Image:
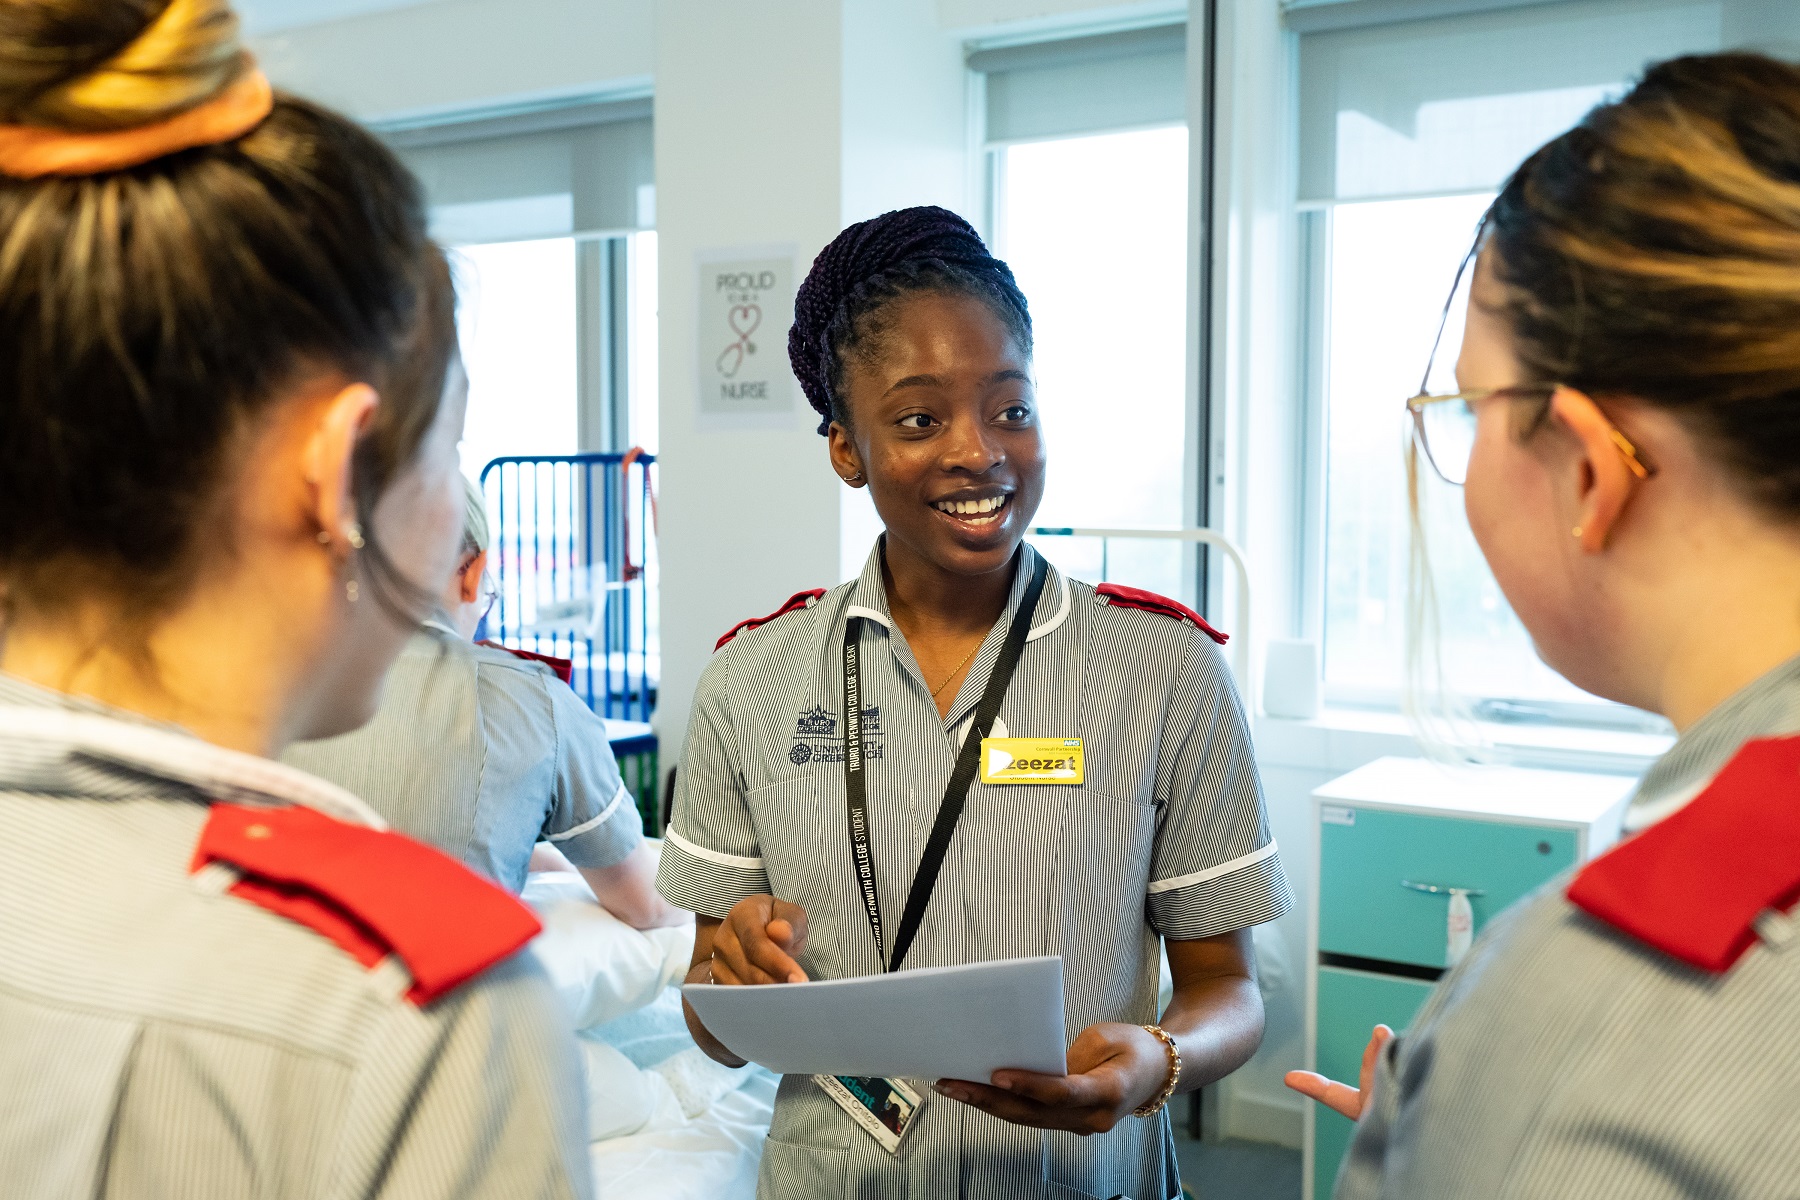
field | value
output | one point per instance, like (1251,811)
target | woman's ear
(1603,480)
(329,448)
(469,577)
(844,458)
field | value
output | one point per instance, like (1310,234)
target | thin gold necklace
(958,669)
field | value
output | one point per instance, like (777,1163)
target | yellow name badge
(1032,760)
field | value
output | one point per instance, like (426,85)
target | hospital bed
(664,1121)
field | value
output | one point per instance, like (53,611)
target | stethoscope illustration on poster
(746,298)
(745,319)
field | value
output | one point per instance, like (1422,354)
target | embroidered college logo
(818,740)
(817,723)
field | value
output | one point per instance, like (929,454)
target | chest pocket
(805,852)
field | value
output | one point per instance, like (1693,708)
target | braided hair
(838,311)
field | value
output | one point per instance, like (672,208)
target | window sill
(1342,739)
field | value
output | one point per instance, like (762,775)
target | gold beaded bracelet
(1155,1106)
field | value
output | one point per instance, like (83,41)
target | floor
(1234,1170)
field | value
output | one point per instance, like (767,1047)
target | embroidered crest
(817,723)
(818,739)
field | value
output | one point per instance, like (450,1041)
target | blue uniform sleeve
(593,819)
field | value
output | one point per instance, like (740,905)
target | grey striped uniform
(159,1038)
(483,754)
(1563,1059)
(1166,837)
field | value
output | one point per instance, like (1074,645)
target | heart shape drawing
(745,318)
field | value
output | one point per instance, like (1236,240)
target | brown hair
(1653,252)
(148,314)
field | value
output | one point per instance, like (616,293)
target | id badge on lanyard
(885,1107)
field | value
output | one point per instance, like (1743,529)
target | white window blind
(581,169)
(1450,105)
(1131,79)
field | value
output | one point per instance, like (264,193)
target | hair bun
(100,65)
(864,252)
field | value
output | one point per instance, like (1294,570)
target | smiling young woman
(817,836)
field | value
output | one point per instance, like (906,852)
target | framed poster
(746,304)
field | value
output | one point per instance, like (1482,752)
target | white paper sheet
(932,1023)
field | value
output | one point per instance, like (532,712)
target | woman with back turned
(914,345)
(1628,436)
(229,409)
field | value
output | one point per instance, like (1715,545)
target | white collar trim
(39,742)
(1037,631)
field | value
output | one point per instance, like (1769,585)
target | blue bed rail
(574,559)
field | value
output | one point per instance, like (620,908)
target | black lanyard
(968,759)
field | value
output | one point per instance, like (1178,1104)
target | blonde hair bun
(98,65)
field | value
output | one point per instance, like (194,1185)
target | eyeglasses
(1443,425)
(489,593)
(1444,428)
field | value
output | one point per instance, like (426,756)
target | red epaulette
(564,667)
(797,600)
(1693,884)
(371,891)
(1120,596)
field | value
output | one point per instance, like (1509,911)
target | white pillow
(602,967)
(621,1098)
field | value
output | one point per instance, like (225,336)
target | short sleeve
(711,859)
(593,818)
(1214,867)
(499,1109)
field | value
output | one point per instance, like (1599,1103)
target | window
(1406,132)
(1095,228)
(641,423)
(549,214)
(550,211)
(1088,150)
(516,319)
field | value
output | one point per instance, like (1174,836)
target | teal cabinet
(1351,1003)
(1365,862)
(1392,837)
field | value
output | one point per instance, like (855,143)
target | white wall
(747,153)
(453,54)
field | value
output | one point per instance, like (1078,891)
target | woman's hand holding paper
(1113,1068)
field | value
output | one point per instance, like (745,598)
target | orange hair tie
(31,151)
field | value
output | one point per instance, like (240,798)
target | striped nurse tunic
(1564,1057)
(1166,838)
(163,1036)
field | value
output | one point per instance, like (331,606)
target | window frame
(1198,32)
(1310,231)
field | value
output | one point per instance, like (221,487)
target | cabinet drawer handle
(1437,890)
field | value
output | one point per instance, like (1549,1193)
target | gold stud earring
(1577,532)
(324,537)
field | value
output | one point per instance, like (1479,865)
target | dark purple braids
(911,250)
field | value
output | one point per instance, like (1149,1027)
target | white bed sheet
(710,1157)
